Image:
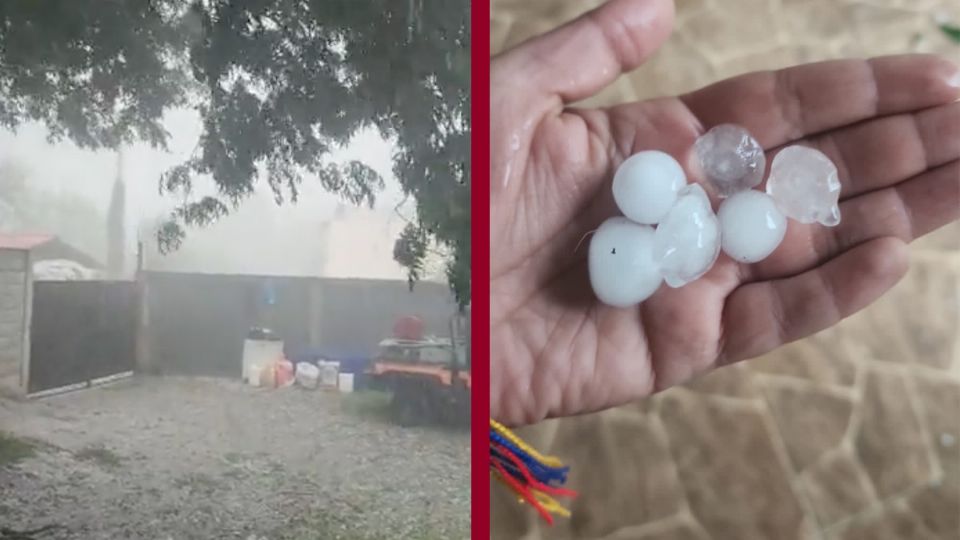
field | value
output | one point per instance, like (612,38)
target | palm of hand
(556,350)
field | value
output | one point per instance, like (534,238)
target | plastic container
(308,375)
(284,373)
(268,376)
(262,353)
(253,376)
(328,373)
(345,382)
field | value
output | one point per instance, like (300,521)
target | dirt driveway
(179,458)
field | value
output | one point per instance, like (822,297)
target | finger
(882,152)
(762,316)
(582,57)
(906,211)
(782,106)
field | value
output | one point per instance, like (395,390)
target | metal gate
(81,332)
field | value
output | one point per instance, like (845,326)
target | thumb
(585,55)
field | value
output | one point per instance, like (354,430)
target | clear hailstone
(645,186)
(687,241)
(805,186)
(751,227)
(622,271)
(730,159)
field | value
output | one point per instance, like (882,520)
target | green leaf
(952,32)
(278,84)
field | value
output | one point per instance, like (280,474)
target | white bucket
(253,375)
(345,382)
(259,353)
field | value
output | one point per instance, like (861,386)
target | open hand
(891,125)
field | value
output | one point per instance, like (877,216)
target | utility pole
(116,224)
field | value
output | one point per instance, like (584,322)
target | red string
(523,492)
(536,484)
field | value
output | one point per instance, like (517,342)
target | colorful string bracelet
(534,478)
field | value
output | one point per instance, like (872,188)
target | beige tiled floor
(851,434)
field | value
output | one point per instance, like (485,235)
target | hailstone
(805,186)
(645,186)
(730,159)
(687,241)
(751,227)
(620,261)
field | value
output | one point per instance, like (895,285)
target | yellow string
(549,461)
(550,504)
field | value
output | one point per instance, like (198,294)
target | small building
(46,247)
(19,253)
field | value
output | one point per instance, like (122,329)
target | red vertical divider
(480,269)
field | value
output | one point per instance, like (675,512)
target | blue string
(530,461)
(543,473)
(508,465)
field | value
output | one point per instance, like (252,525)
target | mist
(319,235)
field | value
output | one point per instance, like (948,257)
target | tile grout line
(699,529)
(662,525)
(797,383)
(685,509)
(925,432)
(786,464)
(922,371)
(878,504)
(856,419)
(897,501)
(728,402)
(657,424)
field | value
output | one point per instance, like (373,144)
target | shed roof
(24,241)
(45,247)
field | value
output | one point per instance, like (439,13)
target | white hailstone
(805,186)
(622,271)
(687,241)
(730,159)
(645,186)
(751,227)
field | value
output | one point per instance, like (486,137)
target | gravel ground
(178,458)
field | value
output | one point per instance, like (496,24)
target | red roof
(24,241)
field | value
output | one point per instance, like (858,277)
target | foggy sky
(266,228)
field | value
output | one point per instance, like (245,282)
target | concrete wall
(195,324)
(14,300)
(354,315)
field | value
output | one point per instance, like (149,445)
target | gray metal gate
(81,332)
